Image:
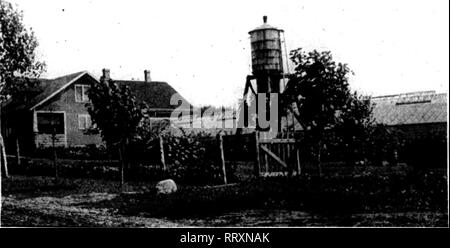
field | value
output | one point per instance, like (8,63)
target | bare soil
(35,201)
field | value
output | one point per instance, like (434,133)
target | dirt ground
(21,208)
(70,211)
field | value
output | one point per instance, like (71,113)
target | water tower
(267,66)
(267,60)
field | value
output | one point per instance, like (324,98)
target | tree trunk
(3,162)
(319,158)
(161,152)
(222,159)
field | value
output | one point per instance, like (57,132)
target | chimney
(265,19)
(106,75)
(147,77)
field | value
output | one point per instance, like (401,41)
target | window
(50,123)
(84,121)
(81,93)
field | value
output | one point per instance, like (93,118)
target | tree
(17,58)
(117,117)
(355,127)
(319,96)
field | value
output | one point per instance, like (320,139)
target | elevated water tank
(266,50)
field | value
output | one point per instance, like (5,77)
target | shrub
(193,158)
(67,168)
(239,147)
(427,152)
(91,152)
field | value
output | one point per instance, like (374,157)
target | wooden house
(55,112)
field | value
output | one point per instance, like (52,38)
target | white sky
(202,48)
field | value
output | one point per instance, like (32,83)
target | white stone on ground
(166,187)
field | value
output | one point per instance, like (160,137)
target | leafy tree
(18,60)
(117,116)
(319,96)
(354,128)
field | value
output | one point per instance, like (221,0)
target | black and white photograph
(224,114)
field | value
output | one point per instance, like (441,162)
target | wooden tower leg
(257,155)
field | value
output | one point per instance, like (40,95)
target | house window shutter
(78,93)
(88,121)
(84,121)
(81,122)
(85,96)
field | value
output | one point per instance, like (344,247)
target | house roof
(43,90)
(411,108)
(52,87)
(156,94)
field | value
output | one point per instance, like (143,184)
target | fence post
(17,152)
(299,168)
(55,158)
(222,158)
(161,151)
(3,159)
(257,163)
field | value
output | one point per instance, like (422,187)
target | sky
(202,48)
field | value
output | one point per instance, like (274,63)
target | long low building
(417,114)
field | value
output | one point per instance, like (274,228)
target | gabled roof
(156,94)
(43,90)
(411,108)
(52,87)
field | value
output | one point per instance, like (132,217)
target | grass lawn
(366,199)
